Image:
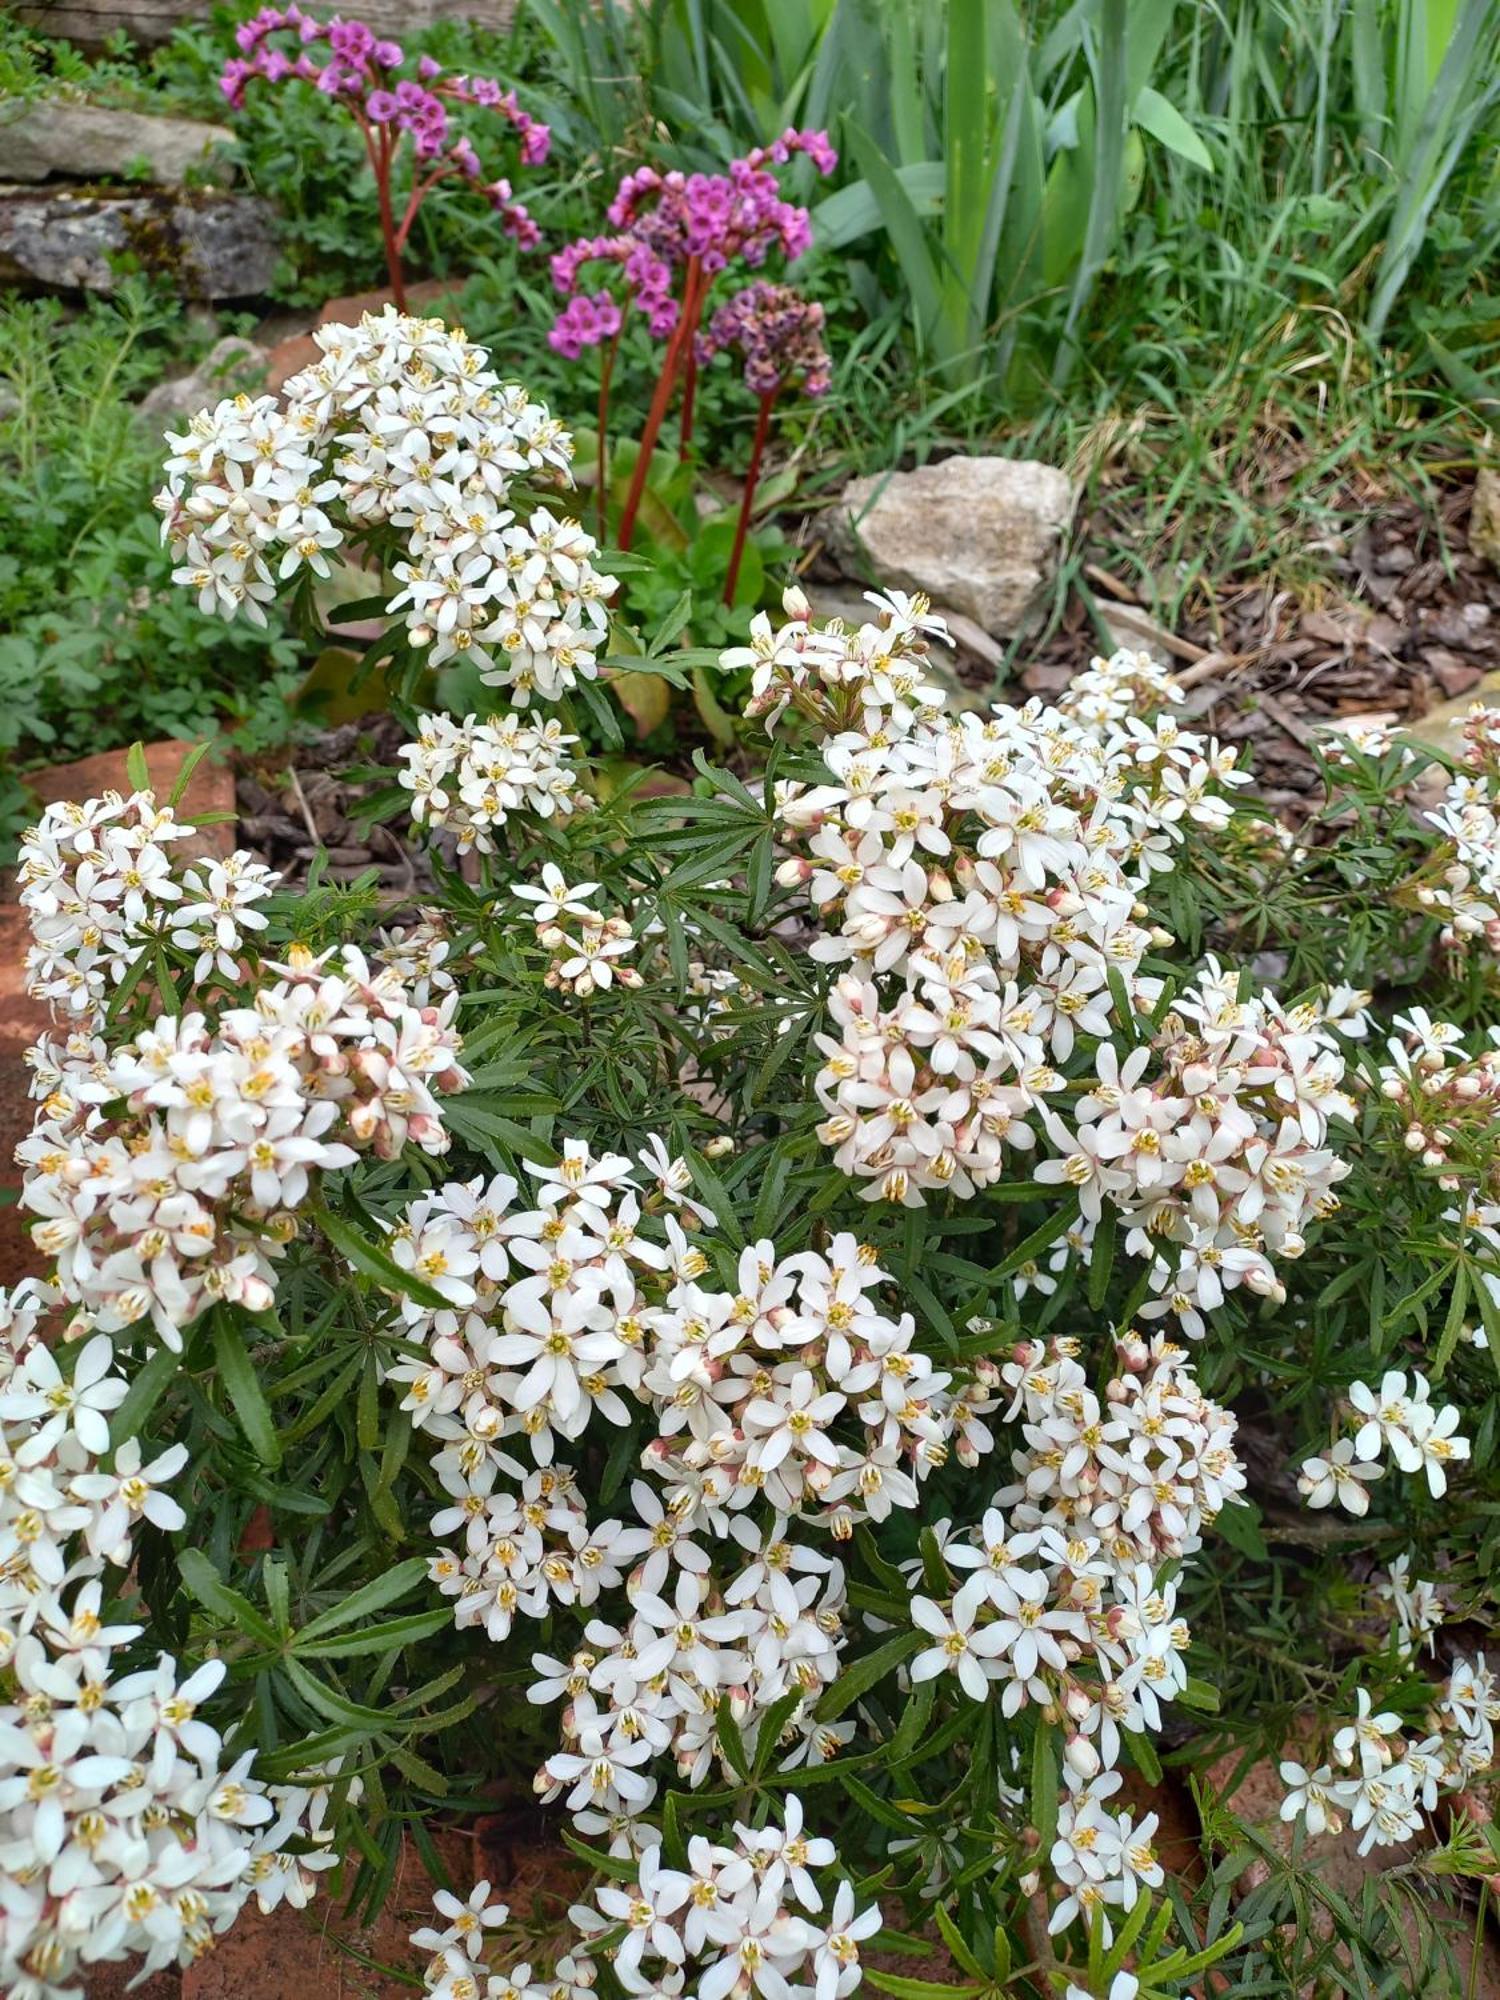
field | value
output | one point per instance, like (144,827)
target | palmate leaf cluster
(305,1566)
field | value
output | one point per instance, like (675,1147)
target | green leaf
(185,771)
(387,1638)
(371,1260)
(1103,1258)
(854,211)
(205,1583)
(137,769)
(1057,1224)
(1044,1787)
(1166,123)
(143,1395)
(918,1989)
(370,1597)
(730,1740)
(237,1373)
(956,1942)
(865,1672)
(1239,1524)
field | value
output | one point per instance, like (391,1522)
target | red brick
(295,351)
(210,789)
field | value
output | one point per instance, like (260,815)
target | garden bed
(817,1305)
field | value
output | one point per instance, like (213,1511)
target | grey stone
(217,375)
(93,142)
(210,246)
(1484,517)
(981,535)
(92,22)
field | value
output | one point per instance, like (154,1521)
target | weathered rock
(228,365)
(210,246)
(979,534)
(1484,515)
(92,22)
(1443,724)
(95,142)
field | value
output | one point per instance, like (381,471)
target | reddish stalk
(606,369)
(689,397)
(419,193)
(656,415)
(380,166)
(747,502)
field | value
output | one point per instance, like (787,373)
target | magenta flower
(778,332)
(360,72)
(674,233)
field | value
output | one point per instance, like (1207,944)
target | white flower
(1337,1476)
(961,1648)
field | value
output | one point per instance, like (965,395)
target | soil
(302,801)
(1407,619)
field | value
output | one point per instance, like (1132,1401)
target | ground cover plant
(95,649)
(837,1287)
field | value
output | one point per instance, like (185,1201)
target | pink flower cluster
(360,71)
(667,221)
(779,333)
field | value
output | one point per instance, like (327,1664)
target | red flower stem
(656,415)
(380,166)
(606,369)
(419,194)
(689,396)
(747,501)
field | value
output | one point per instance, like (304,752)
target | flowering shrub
(717,1279)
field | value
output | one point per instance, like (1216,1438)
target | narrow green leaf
(1044,1787)
(730,1741)
(143,1395)
(865,1673)
(1166,123)
(205,1583)
(237,1373)
(370,1259)
(370,1597)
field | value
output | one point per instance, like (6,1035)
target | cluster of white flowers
(652,1685)
(401,423)
(1419,1435)
(1213,1139)
(761,1915)
(1145,1471)
(794,1393)
(1385,1781)
(1415,1604)
(1062,1607)
(100,883)
(1103,1858)
(1465,891)
(1449,1100)
(586,944)
(981,875)
(469,777)
(867,678)
(419,955)
(165,1170)
(125,1826)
